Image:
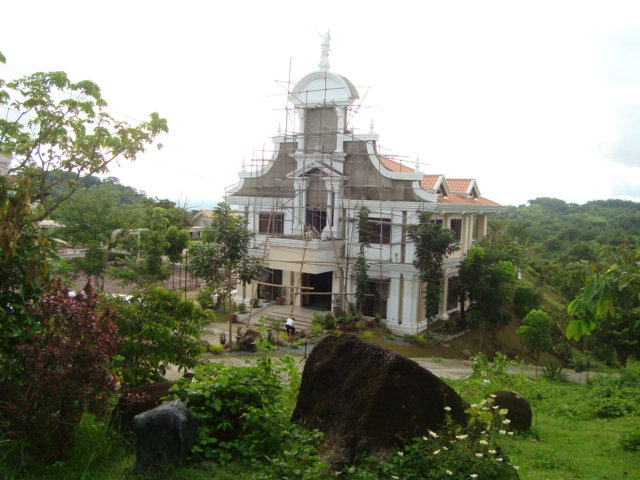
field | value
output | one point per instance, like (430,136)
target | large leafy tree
(608,305)
(223,258)
(51,125)
(488,283)
(536,332)
(158,329)
(432,244)
(98,212)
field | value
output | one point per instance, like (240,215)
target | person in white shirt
(290,325)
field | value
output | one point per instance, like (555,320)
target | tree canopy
(52,125)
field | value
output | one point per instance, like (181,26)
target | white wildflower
(493,452)
(400,454)
(436,452)
(506,421)
(461,437)
(509,433)
(433,434)
(502,432)
(474,475)
(499,459)
(493,395)
(483,442)
(449,472)
(479,455)
(447,408)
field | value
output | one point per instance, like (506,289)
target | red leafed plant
(64,368)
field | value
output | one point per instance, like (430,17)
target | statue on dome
(326,48)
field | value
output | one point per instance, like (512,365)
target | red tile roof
(429,182)
(459,185)
(395,166)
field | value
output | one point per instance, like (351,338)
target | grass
(566,442)
(570,449)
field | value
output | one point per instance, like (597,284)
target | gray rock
(164,435)
(519,410)
(365,398)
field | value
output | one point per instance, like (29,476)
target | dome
(323,87)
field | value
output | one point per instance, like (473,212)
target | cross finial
(326,48)
(371,126)
(417,163)
(244,165)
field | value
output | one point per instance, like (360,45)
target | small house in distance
(303,202)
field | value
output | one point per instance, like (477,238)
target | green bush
(454,452)
(553,371)
(326,321)
(243,412)
(158,328)
(616,395)
(525,299)
(204,297)
(631,440)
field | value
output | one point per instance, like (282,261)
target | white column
(339,138)
(301,117)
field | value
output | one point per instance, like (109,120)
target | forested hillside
(589,252)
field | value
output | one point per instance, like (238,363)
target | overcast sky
(530,98)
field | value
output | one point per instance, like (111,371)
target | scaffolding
(305,194)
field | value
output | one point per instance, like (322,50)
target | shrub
(454,452)
(243,412)
(367,335)
(553,371)
(158,328)
(631,440)
(525,299)
(65,372)
(616,395)
(204,297)
(326,321)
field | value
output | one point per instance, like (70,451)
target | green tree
(361,279)
(432,244)
(536,333)
(158,329)
(51,125)
(95,214)
(25,253)
(221,259)
(609,304)
(364,228)
(177,241)
(487,284)
(95,263)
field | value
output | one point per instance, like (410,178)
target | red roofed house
(303,203)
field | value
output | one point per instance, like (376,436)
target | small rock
(164,435)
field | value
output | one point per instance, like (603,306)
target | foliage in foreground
(454,452)
(243,416)
(63,368)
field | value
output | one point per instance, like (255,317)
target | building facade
(303,203)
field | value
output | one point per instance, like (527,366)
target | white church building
(303,202)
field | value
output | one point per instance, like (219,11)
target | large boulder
(365,398)
(164,435)
(137,400)
(519,411)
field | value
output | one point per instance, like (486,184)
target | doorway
(321,283)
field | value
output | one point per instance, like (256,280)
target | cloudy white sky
(531,98)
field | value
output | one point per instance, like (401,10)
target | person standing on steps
(290,326)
